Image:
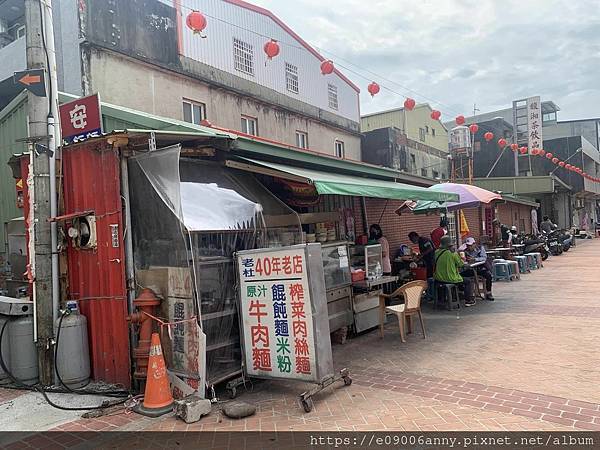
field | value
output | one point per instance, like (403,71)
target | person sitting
(447,269)
(546,226)
(426,251)
(476,254)
(438,233)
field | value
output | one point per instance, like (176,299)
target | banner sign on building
(534,123)
(81,119)
(279,317)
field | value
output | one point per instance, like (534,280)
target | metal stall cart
(284,319)
(338,284)
(365,302)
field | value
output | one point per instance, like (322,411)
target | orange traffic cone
(157,396)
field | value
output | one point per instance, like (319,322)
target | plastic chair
(412,293)
(534,262)
(538,259)
(523,265)
(513,267)
(501,270)
(447,294)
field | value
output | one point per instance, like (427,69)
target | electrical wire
(43,33)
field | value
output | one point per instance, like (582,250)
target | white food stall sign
(277,314)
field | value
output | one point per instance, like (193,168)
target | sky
(457,53)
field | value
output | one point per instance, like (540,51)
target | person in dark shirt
(438,233)
(547,226)
(426,251)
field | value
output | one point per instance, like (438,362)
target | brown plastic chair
(412,293)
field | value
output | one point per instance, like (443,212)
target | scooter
(566,239)
(554,243)
(535,244)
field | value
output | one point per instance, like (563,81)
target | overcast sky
(460,52)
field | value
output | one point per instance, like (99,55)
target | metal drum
(5,349)
(73,357)
(23,354)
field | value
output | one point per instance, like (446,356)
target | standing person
(448,265)
(476,254)
(546,226)
(426,251)
(505,234)
(438,233)
(376,234)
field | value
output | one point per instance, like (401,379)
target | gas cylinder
(4,349)
(23,354)
(73,355)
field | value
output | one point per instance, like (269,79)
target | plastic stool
(538,258)
(523,265)
(501,270)
(450,295)
(533,261)
(513,267)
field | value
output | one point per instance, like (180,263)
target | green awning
(332,183)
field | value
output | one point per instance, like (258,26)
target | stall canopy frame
(332,183)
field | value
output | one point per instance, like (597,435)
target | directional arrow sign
(32,80)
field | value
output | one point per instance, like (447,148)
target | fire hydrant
(145,303)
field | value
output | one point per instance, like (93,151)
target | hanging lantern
(327,67)
(435,114)
(409,104)
(460,120)
(542,152)
(535,151)
(584,174)
(488,136)
(271,48)
(555,160)
(196,22)
(549,155)
(514,147)
(501,142)
(523,150)
(473,128)
(568,166)
(373,89)
(561,163)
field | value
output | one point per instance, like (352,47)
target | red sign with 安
(81,119)
(276,315)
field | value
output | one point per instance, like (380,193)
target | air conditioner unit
(83,232)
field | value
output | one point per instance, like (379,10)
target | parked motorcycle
(534,244)
(554,243)
(566,239)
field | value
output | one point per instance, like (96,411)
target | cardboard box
(167,281)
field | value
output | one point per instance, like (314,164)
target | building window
(422,134)
(443,176)
(291,78)
(243,56)
(194,112)
(423,172)
(250,125)
(435,174)
(433,131)
(426,129)
(333,96)
(549,117)
(340,151)
(21,32)
(413,162)
(301,139)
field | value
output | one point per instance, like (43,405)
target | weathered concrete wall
(128,82)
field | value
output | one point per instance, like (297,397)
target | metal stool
(501,270)
(532,261)
(513,267)
(523,264)
(450,295)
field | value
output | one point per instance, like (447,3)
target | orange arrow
(29,79)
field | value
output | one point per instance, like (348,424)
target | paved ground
(527,361)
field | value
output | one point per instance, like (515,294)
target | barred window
(291,78)
(243,56)
(332,93)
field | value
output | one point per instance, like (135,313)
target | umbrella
(470,196)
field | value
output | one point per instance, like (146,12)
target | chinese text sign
(277,315)
(534,123)
(81,119)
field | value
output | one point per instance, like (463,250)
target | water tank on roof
(460,140)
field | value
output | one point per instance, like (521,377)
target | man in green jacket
(448,265)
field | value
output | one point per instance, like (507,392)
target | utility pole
(41,161)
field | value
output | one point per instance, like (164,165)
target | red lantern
(474,128)
(488,136)
(584,174)
(523,150)
(271,48)
(554,160)
(460,120)
(327,67)
(549,155)
(196,22)
(561,163)
(568,166)
(542,152)
(409,104)
(514,147)
(435,114)
(373,89)
(535,151)
(501,142)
